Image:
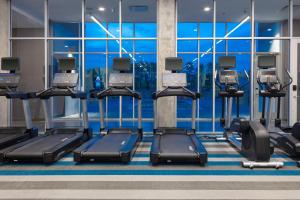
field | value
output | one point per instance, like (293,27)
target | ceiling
(29,13)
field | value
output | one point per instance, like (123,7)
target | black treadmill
(9,83)
(56,142)
(271,88)
(171,144)
(115,144)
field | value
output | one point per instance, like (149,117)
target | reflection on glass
(271,20)
(145,81)
(296,18)
(64,24)
(27,18)
(103,24)
(233,24)
(66,106)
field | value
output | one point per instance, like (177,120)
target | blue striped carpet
(223,160)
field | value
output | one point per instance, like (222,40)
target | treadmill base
(252,164)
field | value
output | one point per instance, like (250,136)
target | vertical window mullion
(214,67)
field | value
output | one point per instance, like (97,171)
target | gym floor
(222,178)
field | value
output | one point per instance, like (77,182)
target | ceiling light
(269,29)
(206,9)
(101,9)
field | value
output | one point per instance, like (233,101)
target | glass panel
(187,46)
(139,21)
(127,30)
(95,78)
(30,61)
(145,81)
(296,22)
(142,15)
(271,20)
(204,110)
(102,18)
(205,86)
(127,46)
(64,24)
(268,45)
(206,46)
(239,45)
(64,106)
(279,48)
(27,18)
(236,15)
(190,13)
(190,67)
(206,29)
(187,30)
(113,102)
(95,46)
(145,46)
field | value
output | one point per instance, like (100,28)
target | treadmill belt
(110,143)
(9,136)
(41,144)
(177,144)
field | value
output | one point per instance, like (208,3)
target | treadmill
(271,88)
(115,144)
(55,142)
(171,144)
(9,83)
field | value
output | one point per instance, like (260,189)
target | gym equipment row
(254,140)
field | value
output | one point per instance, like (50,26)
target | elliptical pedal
(253,164)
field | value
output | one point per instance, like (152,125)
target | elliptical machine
(271,88)
(249,137)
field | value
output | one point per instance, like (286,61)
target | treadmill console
(268,76)
(9,80)
(228,76)
(120,80)
(65,80)
(174,80)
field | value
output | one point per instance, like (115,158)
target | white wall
(4,51)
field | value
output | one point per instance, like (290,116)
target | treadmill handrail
(117,91)
(176,91)
(112,91)
(51,92)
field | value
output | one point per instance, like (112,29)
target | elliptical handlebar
(218,84)
(290,80)
(247,77)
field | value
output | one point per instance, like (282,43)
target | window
(62,24)
(271,21)
(296,18)
(197,59)
(27,18)
(136,39)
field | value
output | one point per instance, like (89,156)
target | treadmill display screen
(64,80)
(174,80)
(9,80)
(120,80)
